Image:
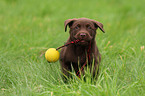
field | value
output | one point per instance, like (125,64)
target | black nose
(82,35)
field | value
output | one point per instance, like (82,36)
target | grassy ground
(28,27)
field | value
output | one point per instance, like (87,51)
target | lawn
(29,27)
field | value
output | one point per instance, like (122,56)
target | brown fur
(84,29)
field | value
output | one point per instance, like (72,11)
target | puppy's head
(83,29)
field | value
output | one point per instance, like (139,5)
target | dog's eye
(76,27)
(89,27)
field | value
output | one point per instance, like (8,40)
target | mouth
(83,41)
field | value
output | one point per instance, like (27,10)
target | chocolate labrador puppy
(85,51)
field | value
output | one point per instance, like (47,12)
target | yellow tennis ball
(52,55)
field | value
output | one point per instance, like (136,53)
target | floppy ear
(69,22)
(98,24)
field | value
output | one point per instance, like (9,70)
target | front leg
(66,68)
(95,67)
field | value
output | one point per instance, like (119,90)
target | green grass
(28,27)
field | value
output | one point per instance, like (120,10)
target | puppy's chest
(77,58)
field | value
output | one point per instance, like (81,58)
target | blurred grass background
(28,27)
